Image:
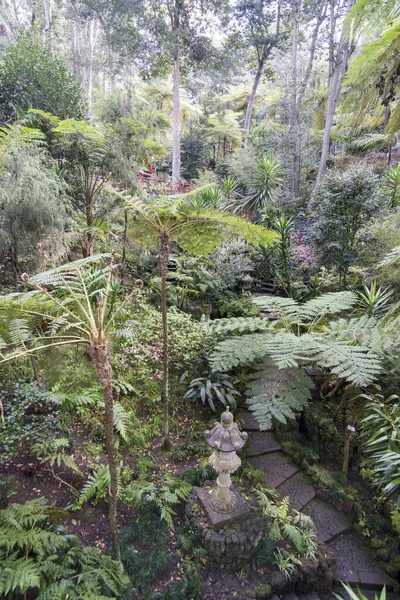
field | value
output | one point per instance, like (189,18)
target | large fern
(303,335)
(39,557)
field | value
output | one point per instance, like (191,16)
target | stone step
(330,523)
(355,565)
(299,489)
(261,442)
(309,596)
(275,466)
(369,594)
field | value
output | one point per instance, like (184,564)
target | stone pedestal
(216,517)
(229,538)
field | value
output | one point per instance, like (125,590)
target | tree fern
(277,394)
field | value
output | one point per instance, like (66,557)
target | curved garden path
(354,563)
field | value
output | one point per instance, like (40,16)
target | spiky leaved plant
(196,230)
(70,304)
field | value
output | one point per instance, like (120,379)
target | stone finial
(225,436)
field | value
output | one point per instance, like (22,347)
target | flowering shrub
(303,258)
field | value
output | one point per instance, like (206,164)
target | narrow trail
(354,562)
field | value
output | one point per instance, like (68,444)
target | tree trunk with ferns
(164,246)
(101,359)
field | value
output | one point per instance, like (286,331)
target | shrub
(32,76)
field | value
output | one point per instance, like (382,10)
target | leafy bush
(30,414)
(38,555)
(31,75)
(343,204)
(144,548)
(138,343)
(234,305)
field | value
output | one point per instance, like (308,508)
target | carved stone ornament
(225,437)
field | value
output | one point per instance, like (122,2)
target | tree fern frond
(237,325)
(237,351)
(355,364)
(277,394)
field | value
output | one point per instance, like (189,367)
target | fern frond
(17,574)
(355,364)
(237,351)
(277,394)
(239,325)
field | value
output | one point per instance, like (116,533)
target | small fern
(164,496)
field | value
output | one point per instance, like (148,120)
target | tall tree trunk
(164,241)
(74,52)
(294,117)
(343,53)
(320,18)
(101,360)
(176,139)
(47,29)
(250,105)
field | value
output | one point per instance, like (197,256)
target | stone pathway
(355,565)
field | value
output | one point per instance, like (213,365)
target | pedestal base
(217,518)
(229,538)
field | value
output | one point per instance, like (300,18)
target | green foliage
(277,393)
(381,440)
(351,594)
(391,185)
(235,325)
(233,305)
(264,183)
(343,204)
(373,301)
(144,548)
(138,344)
(30,414)
(219,387)
(31,75)
(163,496)
(36,555)
(279,387)
(198,476)
(33,199)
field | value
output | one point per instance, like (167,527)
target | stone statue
(225,438)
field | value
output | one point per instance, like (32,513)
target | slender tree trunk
(343,53)
(164,242)
(176,139)
(123,260)
(294,117)
(346,451)
(74,52)
(250,105)
(101,360)
(320,19)
(47,29)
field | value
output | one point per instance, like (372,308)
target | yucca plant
(70,304)
(264,183)
(391,185)
(194,229)
(374,301)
